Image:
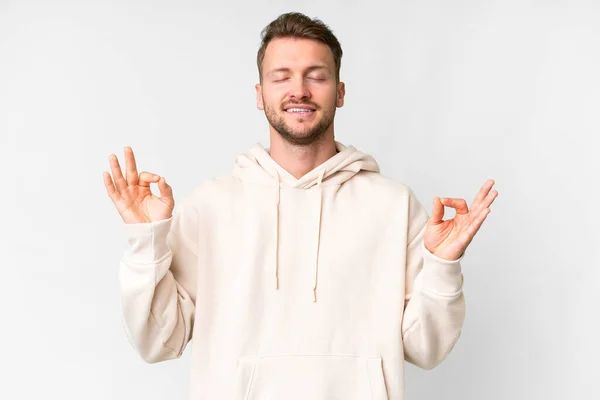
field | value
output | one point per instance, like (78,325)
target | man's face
(299,93)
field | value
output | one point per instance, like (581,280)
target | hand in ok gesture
(448,239)
(132,195)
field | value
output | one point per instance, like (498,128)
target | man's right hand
(132,195)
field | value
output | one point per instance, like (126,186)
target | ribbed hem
(147,242)
(441,276)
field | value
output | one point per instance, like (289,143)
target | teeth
(298,110)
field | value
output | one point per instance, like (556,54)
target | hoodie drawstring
(320,188)
(318,235)
(277,231)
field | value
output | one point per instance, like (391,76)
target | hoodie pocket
(314,377)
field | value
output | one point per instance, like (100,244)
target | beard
(299,136)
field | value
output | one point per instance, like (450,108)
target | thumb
(166,192)
(437,214)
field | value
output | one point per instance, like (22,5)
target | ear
(341,92)
(259,98)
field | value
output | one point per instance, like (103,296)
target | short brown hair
(298,25)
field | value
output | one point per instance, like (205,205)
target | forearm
(157,312)
(434,313)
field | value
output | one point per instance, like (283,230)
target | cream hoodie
(315,288)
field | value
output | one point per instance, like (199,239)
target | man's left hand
(449,239)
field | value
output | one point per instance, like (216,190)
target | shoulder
(212,190)
(384,186)
(394,194)
(399,201)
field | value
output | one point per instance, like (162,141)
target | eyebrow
(284,69)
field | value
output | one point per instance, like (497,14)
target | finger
(489,199)
(110,187)
(477,221)
(459,204)
(483,192)
(131,168)
(437,214)
(166,192)
(120,183)
(146,178)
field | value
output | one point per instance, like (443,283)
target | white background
(444,94)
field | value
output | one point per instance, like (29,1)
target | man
(303,274)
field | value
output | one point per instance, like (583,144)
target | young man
(303,274)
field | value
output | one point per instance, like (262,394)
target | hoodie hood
(257,166)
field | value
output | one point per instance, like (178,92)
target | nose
(299,89)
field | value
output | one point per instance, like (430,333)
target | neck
(298,160)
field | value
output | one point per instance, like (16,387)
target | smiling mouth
(295,110)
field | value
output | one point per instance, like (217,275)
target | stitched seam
(251,382)
(443,295)
(134,261)
(369,378)
(315,355)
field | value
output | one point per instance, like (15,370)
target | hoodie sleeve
(157,282)
(434,309)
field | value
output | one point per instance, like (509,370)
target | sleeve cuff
(441,276)
(147,242)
